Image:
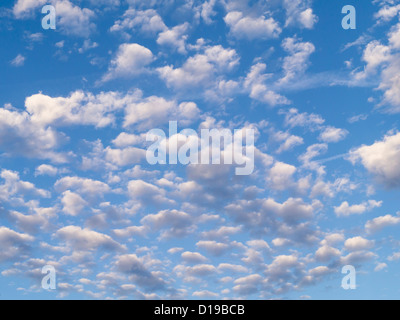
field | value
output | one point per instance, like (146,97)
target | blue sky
(77,193)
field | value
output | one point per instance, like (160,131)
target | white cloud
(358,244)
(207,11)
(205,294)
(131,60)
(327,253)
(177,223)
(135,267)
(298,13)
(293,210)
(154,111)
(252,27)
(346,210)
(13,244)
(46,169)
(248,285)
(298,61)
(18,61)
(147,21)
(295,119)
(387,13)
(213,247)
(73,203)
(380,267)
(288,141)
(379,223)
(280,176)
(82,186)
(72,19)
(126,139)
(20,136)
(255,83)
(193,257)
(200,69)
(79,108)
(331,134)
(125,157)
(87,240)
(13,185)
(381,159)
(175,38)
(23,8)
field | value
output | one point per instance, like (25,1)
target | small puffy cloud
(87,240)
(124,157)
(213,247)
(358,244)
(259,90)
(333,238)
(246,27)
(74,20)
(394,257)
(287,141)
(175,224)
(232,268)
(281,266)
(193,257)
(380,223)
(126,139)
(297,62)
(258,244)
(40,221)
(200,270)
(24,8)
(346,210)
(380,267)
(18,61)
(135,267)
(293,210)
(83,186)
(13,244)
(174,38)
(205,294)
(387,12)
(146,21)
(381,159)
(71,19)
(280,176)
(207,11)
(46,170)
(146,193)
(130,61)
(73,203)
(200,69)
(357,257)
(299,14)
(154,111)
(79,108)
(295,119)
(320,271)
(13,185)
(248,285)
(332,135)
(327,253)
